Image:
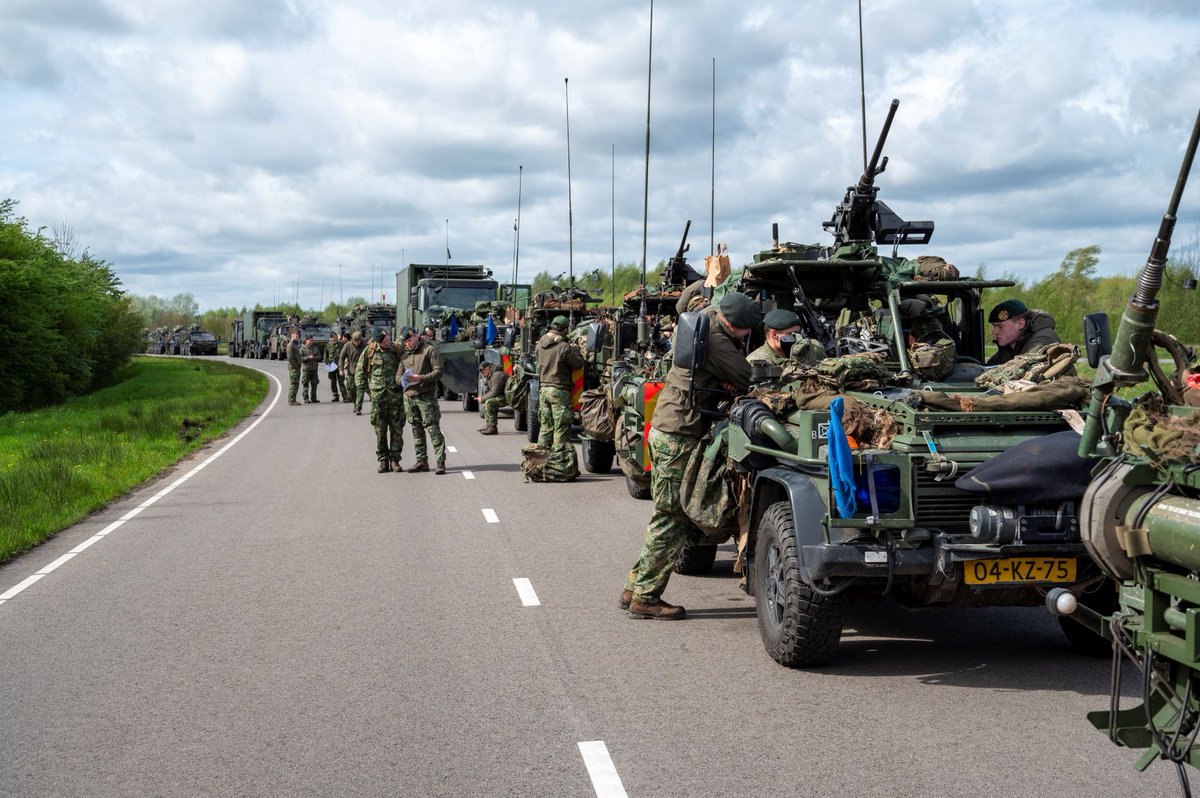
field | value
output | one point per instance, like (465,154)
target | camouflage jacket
(425,362)
(333,350)
(556,357)
(348,357)
(496,385)
(765,354)
(725,365)
(310,356)
(1038,332)
(376,370)
(293,355)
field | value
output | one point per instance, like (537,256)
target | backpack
(1048,363)
(557,463)
(517,387)
(706,492)
(595,414)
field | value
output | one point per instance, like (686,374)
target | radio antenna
(862,84)
(570,207)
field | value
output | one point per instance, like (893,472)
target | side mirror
(510,336)
(690,342)
(595,337)
(1096,337)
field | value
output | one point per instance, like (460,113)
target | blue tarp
(841,466)
(491,330)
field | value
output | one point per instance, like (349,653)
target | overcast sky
(229,148)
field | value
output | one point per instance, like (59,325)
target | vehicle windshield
(203,336)
(315,330)
(463,297)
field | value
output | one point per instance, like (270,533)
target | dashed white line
(468,475)
(525,591)
(452,450)
(491,516)
(605,780)
(29,580)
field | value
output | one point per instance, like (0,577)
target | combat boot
(625,600)
(396,467)
(293,403)
(420,467)
(335,399)
(441,468)
(489,430)
(657,609)
(384,467)
(316,400)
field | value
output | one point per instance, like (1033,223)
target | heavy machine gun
(1141,517)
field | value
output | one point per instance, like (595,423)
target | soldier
(294,364)
(556,358)
(493,400)
(376,371)
(1018,330)
(675,432)
(421,366)
(310,356)
(348,361)
(333,350)
(779,328)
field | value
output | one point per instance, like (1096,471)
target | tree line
(68,327)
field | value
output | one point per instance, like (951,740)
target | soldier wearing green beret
(557,358)
(676,429)
(779,329)
(1017,330)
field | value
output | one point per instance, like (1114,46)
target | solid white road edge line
(605,780)
(488,513)
(525,591)
(29,580)
(468,475)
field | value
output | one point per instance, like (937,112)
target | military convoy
(366,319)
(180,340)
(252,333)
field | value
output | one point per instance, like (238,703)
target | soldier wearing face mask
(782,328)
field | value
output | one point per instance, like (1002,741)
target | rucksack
(1048,363)
(516,388)
(595,414)
(557,463)
(706,492)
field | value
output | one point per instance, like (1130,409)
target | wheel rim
(775,588)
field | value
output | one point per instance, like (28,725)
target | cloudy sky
(229,148)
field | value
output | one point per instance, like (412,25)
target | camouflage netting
(1048,363)
(870,427)
(1065,393)
(863,372)
(1162,438)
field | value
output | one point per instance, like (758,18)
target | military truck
(1141,517)
(305,326)
(366,319)
(237,337)
(258,326)
(443,297)
(819,523)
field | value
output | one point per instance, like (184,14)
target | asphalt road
(285,621)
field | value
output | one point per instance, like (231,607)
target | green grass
(59,464)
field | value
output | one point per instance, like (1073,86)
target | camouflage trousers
(491,410)
(352,393)
(308,387)
(425,415)
(554,416)
(337,383)
(293,383)
(669,527)
(387,416)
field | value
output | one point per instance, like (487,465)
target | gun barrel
(868,178)
(683,242)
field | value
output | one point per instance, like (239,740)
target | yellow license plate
(1013,570)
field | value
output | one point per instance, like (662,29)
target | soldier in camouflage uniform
(348,362)
(676,431)
(556,358)
(310,356)
(376,371)
(294,365)
(422,358)
(779,329)
(333,350)
(493,399)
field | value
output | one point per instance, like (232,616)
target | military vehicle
(305,326)
(821,524)
(1141,517)
(194,341)
(443,297)
(366,319)
(237,337)
(258,326)
(157,342)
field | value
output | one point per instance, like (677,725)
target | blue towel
(453,327)
(841,466)
(491,330)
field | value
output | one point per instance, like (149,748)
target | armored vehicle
(366,319)
(442,298)
(305,326)
(195,341)
(822,519)
(257,328)
(1141,517)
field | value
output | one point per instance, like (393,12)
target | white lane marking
(468,475)
(491,516)
(605,780)
(452,450)
(525,591)
(29,580)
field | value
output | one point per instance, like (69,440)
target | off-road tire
(520,420)
(598,456)
(470,403)
(1084,640)
(533,424)
(636,489)
(799,628)
(695,559)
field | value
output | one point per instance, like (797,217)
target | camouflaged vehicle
(195,341)
(819,523)
(366,319)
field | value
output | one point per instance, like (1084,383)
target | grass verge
(59,464)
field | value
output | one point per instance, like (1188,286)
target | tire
(451,396)
(1084,640)
(598,456)
(636,489)
(695,559)
(470,403)
(520,420)
(799,628)
(532,423)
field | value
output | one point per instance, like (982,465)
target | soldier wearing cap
(779,329)
(556,360)
(310,356)
(493,399)
(333,351)
(675,432)
(294,364)
(421,364)
(1017,330)
(376,372)
(347,362)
